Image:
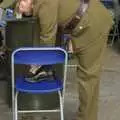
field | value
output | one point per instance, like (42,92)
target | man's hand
(25,7)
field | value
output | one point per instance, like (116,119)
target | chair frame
(15,93)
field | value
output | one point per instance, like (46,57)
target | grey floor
(109,100)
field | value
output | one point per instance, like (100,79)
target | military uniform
(91,41)
(93,29)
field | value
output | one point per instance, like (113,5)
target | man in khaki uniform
(93,29)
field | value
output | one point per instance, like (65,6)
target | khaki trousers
(89,66)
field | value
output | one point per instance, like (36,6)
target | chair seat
(44,86)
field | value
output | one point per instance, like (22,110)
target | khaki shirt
(51,13)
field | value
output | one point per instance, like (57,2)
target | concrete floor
(109,100)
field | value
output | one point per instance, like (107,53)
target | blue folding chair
(40,56)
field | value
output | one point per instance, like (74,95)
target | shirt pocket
(82,26)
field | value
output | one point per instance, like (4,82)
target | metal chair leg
(16,107)
(115,33)
(61,105)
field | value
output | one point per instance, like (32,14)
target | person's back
(97,18)
(67,9)
(97,15)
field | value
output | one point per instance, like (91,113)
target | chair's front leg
(16,107)
(61,105)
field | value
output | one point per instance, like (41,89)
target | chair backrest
(40,56)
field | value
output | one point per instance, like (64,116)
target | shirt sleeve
(47,14)
(12,6)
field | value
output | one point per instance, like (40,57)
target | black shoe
(40,75)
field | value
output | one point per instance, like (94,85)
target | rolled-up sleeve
(47,14)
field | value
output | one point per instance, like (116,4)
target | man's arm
(47,13)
